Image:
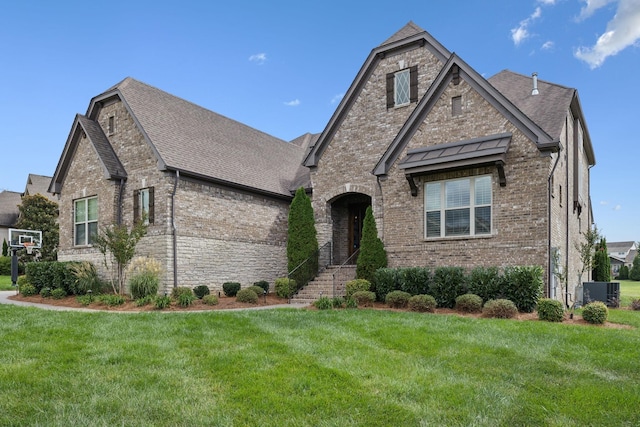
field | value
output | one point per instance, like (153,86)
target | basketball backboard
(18,238)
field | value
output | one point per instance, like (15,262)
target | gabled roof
(620,246)
(548,109)
(456,68)
(406,38)
(38,184)
(9,212)
(111,166)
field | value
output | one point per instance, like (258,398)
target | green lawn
(313,368)
(5,283)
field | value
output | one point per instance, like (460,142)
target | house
(621,253)
(39,184)
(459,170)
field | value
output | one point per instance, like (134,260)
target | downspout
(119,209)
(174,230)
(550,250)
(566,260)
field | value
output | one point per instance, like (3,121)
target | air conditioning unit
(606,292)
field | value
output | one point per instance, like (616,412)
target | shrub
(230,289)
(414,280)
(263,284)
(500,308)
(469,303)
(352,303)
(86,278)
(28,289)
(363,298)
(302,241)
(372,254)
(397,299)
(45,292)
(323,303)
(353,286)
(112,300)
(186,299)
(484,282)
(162,302)
(623,274)
(201,291)
(259,290)
(85,299)
(523,286)
(422,303)
(210,299)
(285,287)
(5,266)
(52,274)
(595,312)
(141,302)
(384,281)
(58,293)
(247,295)
(144,277)
(181,290)
(550,310)
(635,304)
(22,280)
(448,283)
(337,302)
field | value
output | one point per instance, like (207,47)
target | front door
(356,221)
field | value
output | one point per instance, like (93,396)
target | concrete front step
(323,284)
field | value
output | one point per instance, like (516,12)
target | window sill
(454,238)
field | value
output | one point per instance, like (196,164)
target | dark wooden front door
(356,220)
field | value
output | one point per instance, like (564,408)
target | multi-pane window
(85,219)
(143,202)
(458,207)
(401,89)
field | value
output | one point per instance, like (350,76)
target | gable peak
(410,29)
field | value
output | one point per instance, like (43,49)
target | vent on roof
(535,91)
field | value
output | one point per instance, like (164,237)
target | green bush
(45,292)
(500,308)
(384,281)
(323,303)
(623,274)
(112,300)
(448,283)
(285,287)
(363,298)
(263,284)
(162,302)
(230,289)
(397,299)
(414,280)
(352,303)
(372,254)
(469,303)
(201,291)
(635,304)
(85,278)
(5,265)
(144,277)
(595,312)
(337,302)
(422,303)
(58,293)
(22,280)
(146,300)
(247,295)
(28,289)
(523,285)
(186,299)
(259,290)
(485,282)
(302,241)
(52,274)
(181,290)
(550,310)
(85,299)
(353,286)
(210,299)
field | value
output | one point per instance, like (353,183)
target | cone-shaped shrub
(372,254)
(302,242)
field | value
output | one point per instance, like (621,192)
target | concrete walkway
(4,299)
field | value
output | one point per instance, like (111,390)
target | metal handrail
(357,251)
(314,255)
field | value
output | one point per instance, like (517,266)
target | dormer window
(402,87)
(111,126)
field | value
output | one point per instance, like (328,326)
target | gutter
(550,248)
(174,230)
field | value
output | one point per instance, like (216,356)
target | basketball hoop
(29,247)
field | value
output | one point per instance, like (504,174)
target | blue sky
(283,66)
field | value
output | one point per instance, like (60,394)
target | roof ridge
(408,30)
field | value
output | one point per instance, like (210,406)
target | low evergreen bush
(247,295)
(28,289)
(397,299)
(259,290)
(181,290)
(323,303)
(58,293)
(210,299)
(448,283)
(523,285)
(469,303)
(45,292)
(5,265)
(186,299)
(285,287)
(422,303)
(500,308)
(363,298)
(353,286)
(162,302)
(550,310)
(484,282)
(595,312)
(414,280)
(263,284)
(201,291)
(230,289)
(384,281)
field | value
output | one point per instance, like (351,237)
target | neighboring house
(460,171)
(9,212)
(621,253)
(39,184)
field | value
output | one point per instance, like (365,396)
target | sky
(283,66)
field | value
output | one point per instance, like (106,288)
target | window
(459,207)
(85,221)
(143,205)
(456,105)
(402,87)
(112,125)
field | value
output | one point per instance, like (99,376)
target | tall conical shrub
(372,254)
(602,269)
(302,242)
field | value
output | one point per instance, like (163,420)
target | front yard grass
(5,283)
(313,368)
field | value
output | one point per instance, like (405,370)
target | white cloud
(293,103)
(547,2)
(337,98)
(617,207)
(259,58)
(521,32)
(622,31)
(604,202)
(548,45)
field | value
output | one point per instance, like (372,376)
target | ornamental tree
(302,241)
(39,213)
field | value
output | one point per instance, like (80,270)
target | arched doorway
(347,217)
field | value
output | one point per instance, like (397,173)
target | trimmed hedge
(363,298)
(523,285)
(485,282)
(469,303)
(201,291)
(353,286)
(230,289)
(422,303)
(448,283)
(595,312)
(397,299)
(550,310)
(54,275)
(500,308)
(247,295)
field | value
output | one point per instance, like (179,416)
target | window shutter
(413,84)
(151,205)
(390,99)
(136,205)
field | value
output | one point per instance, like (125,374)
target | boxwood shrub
(500,308)
(230,289)
(422,303)
(550,310)
(263,284)
(353,286)
(397,299)
(363,298)
(259,291)
(469,303)
(201,291)
(595,312)
(247,295)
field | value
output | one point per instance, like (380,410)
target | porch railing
(308,269)
(338,274)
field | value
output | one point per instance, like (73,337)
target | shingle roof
(411,29)
(197,141)
(108,157)
(38,184)
(9,212)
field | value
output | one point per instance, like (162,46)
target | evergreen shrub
(27,290)
(230,289)
(353,286)
(210,299)
(550,310)
(247,295)
(263,284)
(384,281)
(414,280)
(469,303)
(201,291)
(500,308)
(372,255)
(58,293)
(363,298)
(448,283)
(484,282)
(595,312)
(259,290)
(523,286)
(422,303)
(285,287)
(397,299)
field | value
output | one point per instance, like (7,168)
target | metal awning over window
(488,150)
